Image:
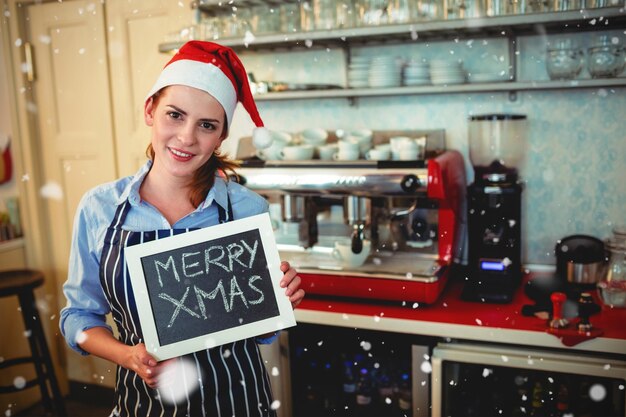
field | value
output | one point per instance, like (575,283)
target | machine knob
(419,227)
(410,183)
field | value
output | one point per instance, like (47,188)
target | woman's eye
(174,115)
(207,125)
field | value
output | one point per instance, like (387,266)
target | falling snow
(52,190)
(19,382)
(177,379)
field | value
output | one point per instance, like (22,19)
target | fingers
(144,365)
(291,281)
(297,298)
(290,278)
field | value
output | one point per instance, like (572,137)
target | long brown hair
(204,177)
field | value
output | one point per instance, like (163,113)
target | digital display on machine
(492,266)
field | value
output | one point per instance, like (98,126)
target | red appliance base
(374,288)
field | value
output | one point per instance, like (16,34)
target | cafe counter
(450,317)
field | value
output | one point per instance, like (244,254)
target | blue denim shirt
(86,303)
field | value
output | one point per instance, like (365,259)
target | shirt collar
(218,193)
(131,192)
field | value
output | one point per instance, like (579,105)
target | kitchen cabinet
(509,27)
(461,352)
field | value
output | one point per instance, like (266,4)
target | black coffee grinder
(497,145)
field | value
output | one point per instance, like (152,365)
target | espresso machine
(405,217)
(497,147)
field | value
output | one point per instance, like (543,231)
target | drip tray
(379,264)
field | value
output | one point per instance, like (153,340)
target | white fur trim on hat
(203,76)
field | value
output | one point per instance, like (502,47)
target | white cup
(348,146)
(377,154)
(314,136)
(297,152)
(347,155)
(407,155)
(265,141)
(364,135)
(343,253)
(397,142)
(404,148)
(326,152)
(383,147)
(273,152)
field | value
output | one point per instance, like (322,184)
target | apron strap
(120,216)
(222,215)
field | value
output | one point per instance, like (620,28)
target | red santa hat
(217,70)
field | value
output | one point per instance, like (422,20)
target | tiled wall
(575,169)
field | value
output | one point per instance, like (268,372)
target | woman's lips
(180,155)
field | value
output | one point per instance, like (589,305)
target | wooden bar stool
(22,283)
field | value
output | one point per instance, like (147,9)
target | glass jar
(400,11)
(428,10)
(290,19)
(265,19)
(307,17)
(605,57)
(619,233)
(612,288)
(564,59)
(325,14)
(346,14)
(374,12)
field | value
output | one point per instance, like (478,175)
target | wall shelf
(351,93)
(509,27)
(8,245)
(503,26)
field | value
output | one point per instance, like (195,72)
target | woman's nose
(186,135)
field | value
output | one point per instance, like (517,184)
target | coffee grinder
(497,144)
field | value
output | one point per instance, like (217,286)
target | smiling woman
(182,187)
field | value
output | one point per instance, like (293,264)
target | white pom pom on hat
(261,137)
(217,70)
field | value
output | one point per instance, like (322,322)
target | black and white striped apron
(234,380)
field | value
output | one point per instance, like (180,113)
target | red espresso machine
(409,217)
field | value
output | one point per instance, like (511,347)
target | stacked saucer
(416,72)
(488,77)
(444,72)
(385,71)
(358,72)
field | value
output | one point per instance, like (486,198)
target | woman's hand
(291,281)
(140,361)
(99,341)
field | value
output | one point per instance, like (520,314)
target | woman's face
(187,126)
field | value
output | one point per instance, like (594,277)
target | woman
(182,187)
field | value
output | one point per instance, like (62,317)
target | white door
(76,144)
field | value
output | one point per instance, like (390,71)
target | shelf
(442,89)
(509,25)
(8,245)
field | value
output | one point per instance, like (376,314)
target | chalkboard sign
(208,287)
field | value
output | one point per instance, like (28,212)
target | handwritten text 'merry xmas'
(195,267)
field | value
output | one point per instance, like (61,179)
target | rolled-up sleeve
(86,306)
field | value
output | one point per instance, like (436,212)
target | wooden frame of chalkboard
(208,287)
